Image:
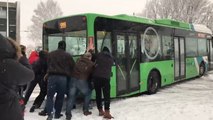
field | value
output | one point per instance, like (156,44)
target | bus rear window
(75,42)
(70,29)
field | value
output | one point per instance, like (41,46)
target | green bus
(148,53)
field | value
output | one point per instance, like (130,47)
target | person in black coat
(21,88)
(101,76)
(12,73)
(40,69)
(24,61)
(60,66)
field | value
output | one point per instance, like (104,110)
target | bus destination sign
(63,25)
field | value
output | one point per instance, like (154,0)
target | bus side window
(168,49)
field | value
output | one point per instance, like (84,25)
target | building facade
(10,20)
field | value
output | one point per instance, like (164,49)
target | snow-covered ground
(190,100)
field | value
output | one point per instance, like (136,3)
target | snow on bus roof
(201,28)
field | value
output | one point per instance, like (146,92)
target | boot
(101,112)
(107,115)
(50,117)
(68,117)
(32,109)
(57,116)
(87,113)
(43,113)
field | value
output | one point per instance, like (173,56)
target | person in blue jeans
(60,66)
(56,84)
(79,81)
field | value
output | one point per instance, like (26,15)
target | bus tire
(201,69)
(153,82)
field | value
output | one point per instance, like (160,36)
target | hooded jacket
(12,73)
(83,68)
(104,62)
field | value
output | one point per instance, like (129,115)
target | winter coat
(60,63)
(104,62)
(83,68)
(12,73)
(33,57)
(40,66)
(24,61)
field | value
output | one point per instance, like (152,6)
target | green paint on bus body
(165,68)
(90,24)
(173,23)
(159,22)
(113,83)
(192,68)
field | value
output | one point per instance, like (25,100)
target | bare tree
(208,17)
(192,11)
(45,11)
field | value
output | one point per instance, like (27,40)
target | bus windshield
(72,30)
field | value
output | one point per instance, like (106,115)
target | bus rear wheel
(201,69)
(153,82)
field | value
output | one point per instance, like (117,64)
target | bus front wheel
(153,82)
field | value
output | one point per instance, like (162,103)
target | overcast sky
(70,7)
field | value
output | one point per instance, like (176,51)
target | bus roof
(173,23)
(159,22)
(201,28)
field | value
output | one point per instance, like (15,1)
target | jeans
(82,86)
(56,84)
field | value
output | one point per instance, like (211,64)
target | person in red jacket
(34,55)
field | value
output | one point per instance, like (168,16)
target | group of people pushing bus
(62,75)
(56,73)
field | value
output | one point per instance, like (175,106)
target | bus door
(180,64)
(127,62)
(210,54)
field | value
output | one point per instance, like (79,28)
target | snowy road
(190,100)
